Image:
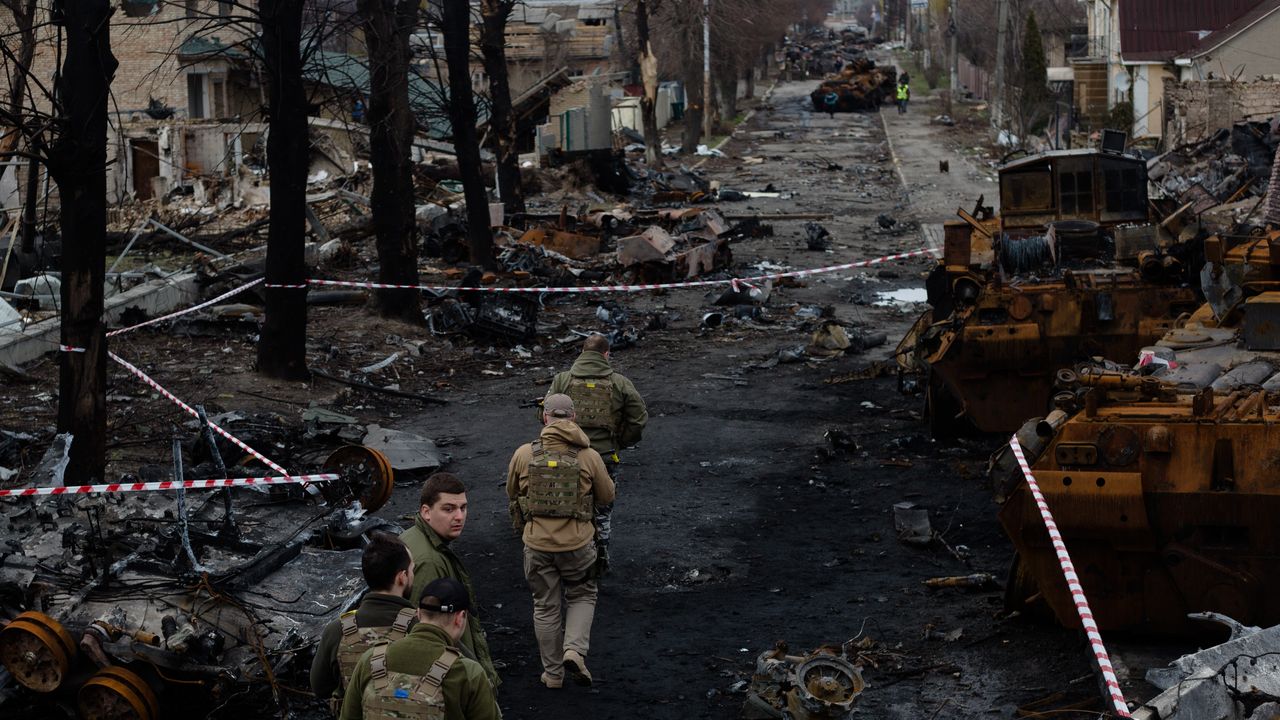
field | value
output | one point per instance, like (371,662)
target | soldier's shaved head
(596,343)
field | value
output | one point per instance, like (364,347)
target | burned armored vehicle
(146,599)
(1073,266)
(1161,474)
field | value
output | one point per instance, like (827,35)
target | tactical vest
(401,696)
(356,640)
(593,403)
(555,487)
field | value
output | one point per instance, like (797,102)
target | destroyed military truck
(1073,266)
(1161,473)
(859,86)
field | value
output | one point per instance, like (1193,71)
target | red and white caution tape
(733,282)
(191,411)
(192,309)
(167,485)
(1073,584)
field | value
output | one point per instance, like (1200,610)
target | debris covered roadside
(718,481)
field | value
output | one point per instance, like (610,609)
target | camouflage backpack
(593,402)
(555,488)
(401,696)
(356,640)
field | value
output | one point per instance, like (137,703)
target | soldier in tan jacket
(555,485)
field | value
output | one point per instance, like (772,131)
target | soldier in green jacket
(424,675)
(612,414)
(385,614)
(442,513)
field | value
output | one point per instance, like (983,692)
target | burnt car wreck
(132,605)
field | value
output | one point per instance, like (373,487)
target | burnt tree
(77,162)
(455,25)
(282,345)
(387,27)
(493,32)
(649,79)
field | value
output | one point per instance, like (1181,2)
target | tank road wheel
(37,651)
(114,693)
(366,475)
(1021,593)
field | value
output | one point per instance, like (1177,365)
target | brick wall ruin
(1197,109)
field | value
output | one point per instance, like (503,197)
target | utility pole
(1002,25)
(953,29)
(706,70)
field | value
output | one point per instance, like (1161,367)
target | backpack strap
(404,619)
(348,623)
(440,668)
(538,452)
(378,662)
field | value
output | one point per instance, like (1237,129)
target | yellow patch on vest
(552,463)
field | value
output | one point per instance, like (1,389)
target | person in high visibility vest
(904,94)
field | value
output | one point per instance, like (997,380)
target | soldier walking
(610,411)
(555,486)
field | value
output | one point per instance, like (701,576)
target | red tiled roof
(1163,29)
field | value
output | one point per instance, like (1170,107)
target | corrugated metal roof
(1160,30)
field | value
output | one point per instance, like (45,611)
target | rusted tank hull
(1164,511)
(996,369)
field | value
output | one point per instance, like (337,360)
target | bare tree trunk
(750,77)
(728,82)
(455,25)
(282,345)
(494,14)
(386,33)
(695,106)
(78,163)
(649,78)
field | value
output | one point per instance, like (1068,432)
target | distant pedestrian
(556,485)
(904,94)
(357,111)
(831,100)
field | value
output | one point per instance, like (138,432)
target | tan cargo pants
(551,576)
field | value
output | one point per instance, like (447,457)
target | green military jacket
(376,610)
(467,692)
(432,560)
(627,407)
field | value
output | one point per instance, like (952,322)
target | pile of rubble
(1223,178)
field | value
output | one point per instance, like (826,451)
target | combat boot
(577,666)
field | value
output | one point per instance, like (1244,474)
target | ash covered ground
(758,508)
